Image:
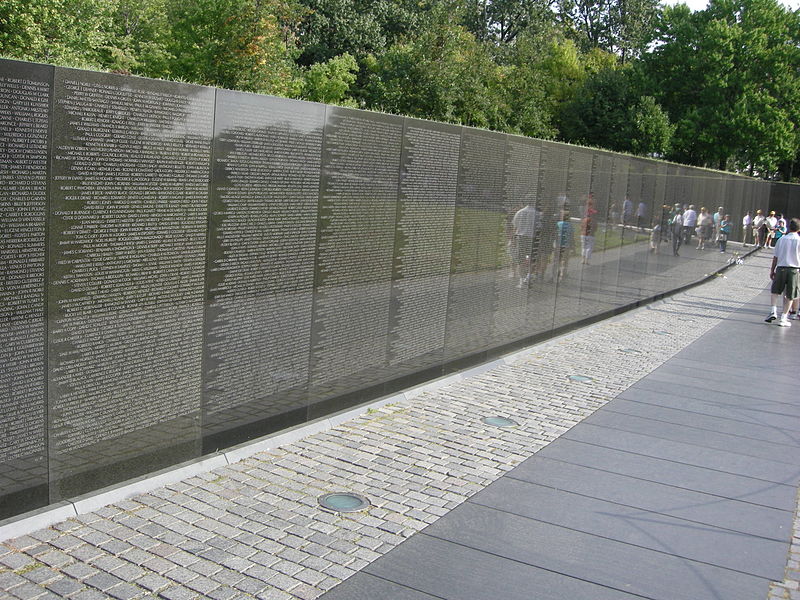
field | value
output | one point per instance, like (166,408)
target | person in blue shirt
(563,245)
(725,229)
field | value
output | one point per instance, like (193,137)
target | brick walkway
(253,529)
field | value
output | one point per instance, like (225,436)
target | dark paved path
(682,487)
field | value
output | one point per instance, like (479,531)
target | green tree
(502,21)
(72,32)
(544,74)
(330,81)
(444,74)
(139,38)
(609,111)
(236,44)
(728,78)
(329,28)
(624,27)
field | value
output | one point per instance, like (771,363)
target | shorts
(786,282)
(523,249)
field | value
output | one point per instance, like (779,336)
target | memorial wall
(184,268)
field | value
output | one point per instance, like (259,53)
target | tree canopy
(718,87)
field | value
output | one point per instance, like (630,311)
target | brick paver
(254,530)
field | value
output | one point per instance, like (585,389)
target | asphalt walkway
(683,487)
(655,455)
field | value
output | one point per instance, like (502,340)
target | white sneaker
(783,322)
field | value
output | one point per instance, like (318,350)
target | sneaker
(793,316)
(783,323)
(770,318)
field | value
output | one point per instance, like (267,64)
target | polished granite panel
(25,97)
(128,223)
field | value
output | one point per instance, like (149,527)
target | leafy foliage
(609,111)
(70,32)
(238,44)
(718,87)
(330,82)
(728,78)
(443,74)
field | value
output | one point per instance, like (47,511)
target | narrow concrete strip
(143,485)
(37,519)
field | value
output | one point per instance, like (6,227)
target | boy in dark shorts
(784,273)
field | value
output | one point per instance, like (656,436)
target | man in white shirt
(758,229)
(771,223)
(784,273)
(689,223)
(525,224)
(747,220)
(717,220)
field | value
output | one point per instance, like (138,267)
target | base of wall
(471,366)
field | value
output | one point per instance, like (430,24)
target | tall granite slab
(607,251)
(523,307)
(577,289)
(130,179)
(354,256)
(422,249)
(634,257)
(263,231)
(478,243)
(553,201)
(25,96)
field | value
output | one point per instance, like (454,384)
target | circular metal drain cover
(499,421)
(343,502)
(581,378)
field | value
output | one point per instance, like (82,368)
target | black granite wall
(184,268)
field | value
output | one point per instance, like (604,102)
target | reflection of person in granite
(627,211)
(525,224)
(677,231)
(613,213)
(641,214)
(587,230)
(563,246)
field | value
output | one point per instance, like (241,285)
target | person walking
(718,216)
(525,224)
(562,246)
(641,214)
(784,274)
(587,238)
